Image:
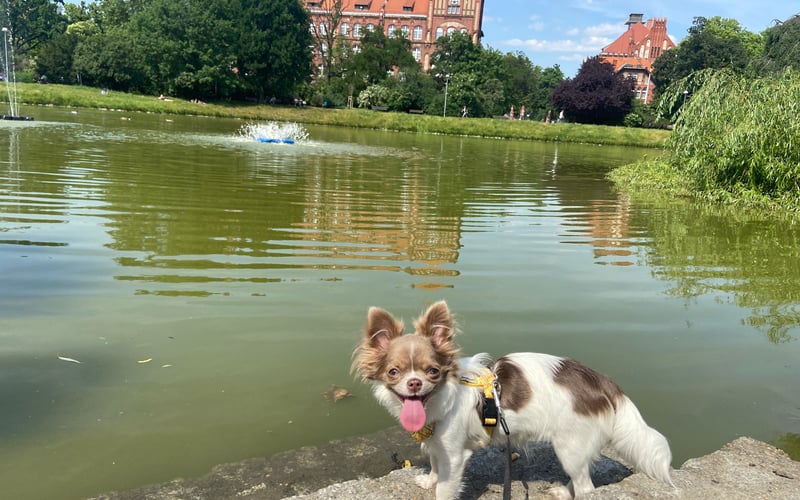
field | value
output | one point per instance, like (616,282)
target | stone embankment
(357,468)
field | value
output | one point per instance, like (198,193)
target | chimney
(634,19)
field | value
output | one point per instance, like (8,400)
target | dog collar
(424,433)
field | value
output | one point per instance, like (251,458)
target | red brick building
(421,21)
(635,51)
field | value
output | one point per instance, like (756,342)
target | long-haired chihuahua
(449,403)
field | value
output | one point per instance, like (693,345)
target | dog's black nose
(414,385)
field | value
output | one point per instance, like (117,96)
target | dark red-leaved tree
(597,94)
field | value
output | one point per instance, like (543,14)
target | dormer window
(363,4)
(314,5)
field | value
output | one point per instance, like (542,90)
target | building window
(417,52)
(417,32)
(362,4)
(345,29)
(323,28)
(356,49)
(390,31)
(357,30)
(371,27)
(439,32)
(450,30)
(405,31)
(312,5)
(312,29)
(454,7)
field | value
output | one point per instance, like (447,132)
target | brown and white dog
(420,380)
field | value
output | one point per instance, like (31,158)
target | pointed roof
(640,45)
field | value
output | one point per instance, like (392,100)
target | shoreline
(371,467)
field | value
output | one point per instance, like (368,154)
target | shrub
(744,132)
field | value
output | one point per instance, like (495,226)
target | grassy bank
(735,142)
(88,97)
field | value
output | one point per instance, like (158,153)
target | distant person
(464,112)
(561,116)
(549,117)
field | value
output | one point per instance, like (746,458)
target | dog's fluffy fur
(544,398)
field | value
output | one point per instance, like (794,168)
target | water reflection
(747,259)
(234,262)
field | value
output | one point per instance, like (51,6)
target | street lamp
(446,83)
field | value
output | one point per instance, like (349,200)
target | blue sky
(565,32)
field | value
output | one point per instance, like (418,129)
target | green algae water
(174,294)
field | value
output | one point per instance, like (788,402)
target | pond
(177,295)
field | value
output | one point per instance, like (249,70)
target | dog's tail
(644,447)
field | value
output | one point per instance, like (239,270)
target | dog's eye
(393,372)
(433,371)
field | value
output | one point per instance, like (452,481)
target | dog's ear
(437,324)
(381,328)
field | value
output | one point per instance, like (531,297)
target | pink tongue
(412,416)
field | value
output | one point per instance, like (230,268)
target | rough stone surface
(357,468)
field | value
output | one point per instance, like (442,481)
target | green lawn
(89,97)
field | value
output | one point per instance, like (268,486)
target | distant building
(635,51)
(421,21)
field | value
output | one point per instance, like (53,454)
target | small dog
(420,380)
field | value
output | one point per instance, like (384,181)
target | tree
(113,60)
(380,56)
(550,79)
(520,79)
(110,14)
(272,54)
(326,35)
(781,47)
(456,53)
(54,62)
(188,46)
(597,94)
(711,44)
(33,23)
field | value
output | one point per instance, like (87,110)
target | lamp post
(685,93)
(446,84)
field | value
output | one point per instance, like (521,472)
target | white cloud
(536,23)
(605,29)
(551,45)
(589,40)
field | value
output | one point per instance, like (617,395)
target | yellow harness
(485,381)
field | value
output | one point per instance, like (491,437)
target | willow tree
(738,134)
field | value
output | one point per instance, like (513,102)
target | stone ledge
(356,468)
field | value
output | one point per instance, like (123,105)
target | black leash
(507,475)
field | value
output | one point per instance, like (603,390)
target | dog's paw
(559,493)
(426,481)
